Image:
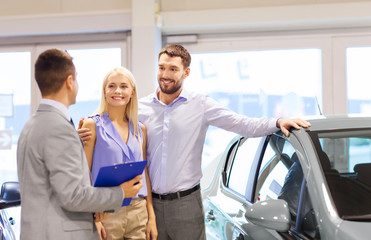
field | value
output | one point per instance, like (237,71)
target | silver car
(9,197)
(314,184)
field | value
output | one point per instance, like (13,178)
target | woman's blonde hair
(131,110)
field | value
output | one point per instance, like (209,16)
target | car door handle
(210,216)
(11,221)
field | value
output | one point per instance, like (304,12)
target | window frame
(229,165)
(340,45)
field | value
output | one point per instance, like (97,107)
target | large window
(17,93)
(351,74)
(271,83)
(93,62)
(258,83)
(92,65)
(15,99)
(358,61)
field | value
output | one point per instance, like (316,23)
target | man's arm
(70,180)
(219,116)
(84,133)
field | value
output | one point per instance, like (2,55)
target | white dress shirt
(176,135)
(58,105)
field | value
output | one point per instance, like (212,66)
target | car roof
(333,122)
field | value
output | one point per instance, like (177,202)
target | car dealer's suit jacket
(57,199)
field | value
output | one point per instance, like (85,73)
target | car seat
(351,197)
(363,171)
(290,191)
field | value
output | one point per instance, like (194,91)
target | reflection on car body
(9,197)
(314,184)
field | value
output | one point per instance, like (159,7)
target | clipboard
(111,176)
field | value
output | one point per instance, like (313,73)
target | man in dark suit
(57,197)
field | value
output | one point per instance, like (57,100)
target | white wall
(350,14)
(37,17)
(45,17)
(191,5)
(47,7)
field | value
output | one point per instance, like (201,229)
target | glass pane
(92,65)
(358,79)
(15,93)
(240,171)
(345,158)
(273,169)
(269,83)
(273,183)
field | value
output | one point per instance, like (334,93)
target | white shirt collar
(184,94)
(60,106)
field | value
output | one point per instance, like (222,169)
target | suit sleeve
(70,177)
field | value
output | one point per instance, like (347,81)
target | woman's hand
(151,229)
(101,231)
(100,217)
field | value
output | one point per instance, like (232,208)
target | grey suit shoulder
(57,197)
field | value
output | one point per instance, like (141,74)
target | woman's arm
(89,145)
(151,224)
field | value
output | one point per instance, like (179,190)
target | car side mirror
(273,214)
(9,195)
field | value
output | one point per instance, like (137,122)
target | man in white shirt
(177,121)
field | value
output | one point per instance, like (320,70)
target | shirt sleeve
(219,116)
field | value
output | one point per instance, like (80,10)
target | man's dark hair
(176,50)
(52,68)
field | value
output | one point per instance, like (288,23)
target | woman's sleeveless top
(110,148)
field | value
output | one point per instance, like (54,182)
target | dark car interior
(294,191)
(351,192)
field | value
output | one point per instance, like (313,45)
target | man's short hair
(52,68)
(176,50)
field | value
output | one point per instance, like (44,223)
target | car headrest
(325,161)
(362,168)
(295,157)
(279,143)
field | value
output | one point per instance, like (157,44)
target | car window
(241,163)
(281,177)
(345,157)
(273,169)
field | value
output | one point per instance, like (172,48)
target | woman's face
(118,90)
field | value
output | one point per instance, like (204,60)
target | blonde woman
(118,137)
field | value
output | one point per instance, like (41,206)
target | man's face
(171,74)
(75,89)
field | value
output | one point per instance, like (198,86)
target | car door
(280,176)
(222,205)
(225,210)
(6,232)
(253,170)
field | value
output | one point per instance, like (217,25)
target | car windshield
(345,157)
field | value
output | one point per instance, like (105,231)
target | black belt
(177,195)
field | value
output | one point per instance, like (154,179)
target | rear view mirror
(273,214)
(9,195)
